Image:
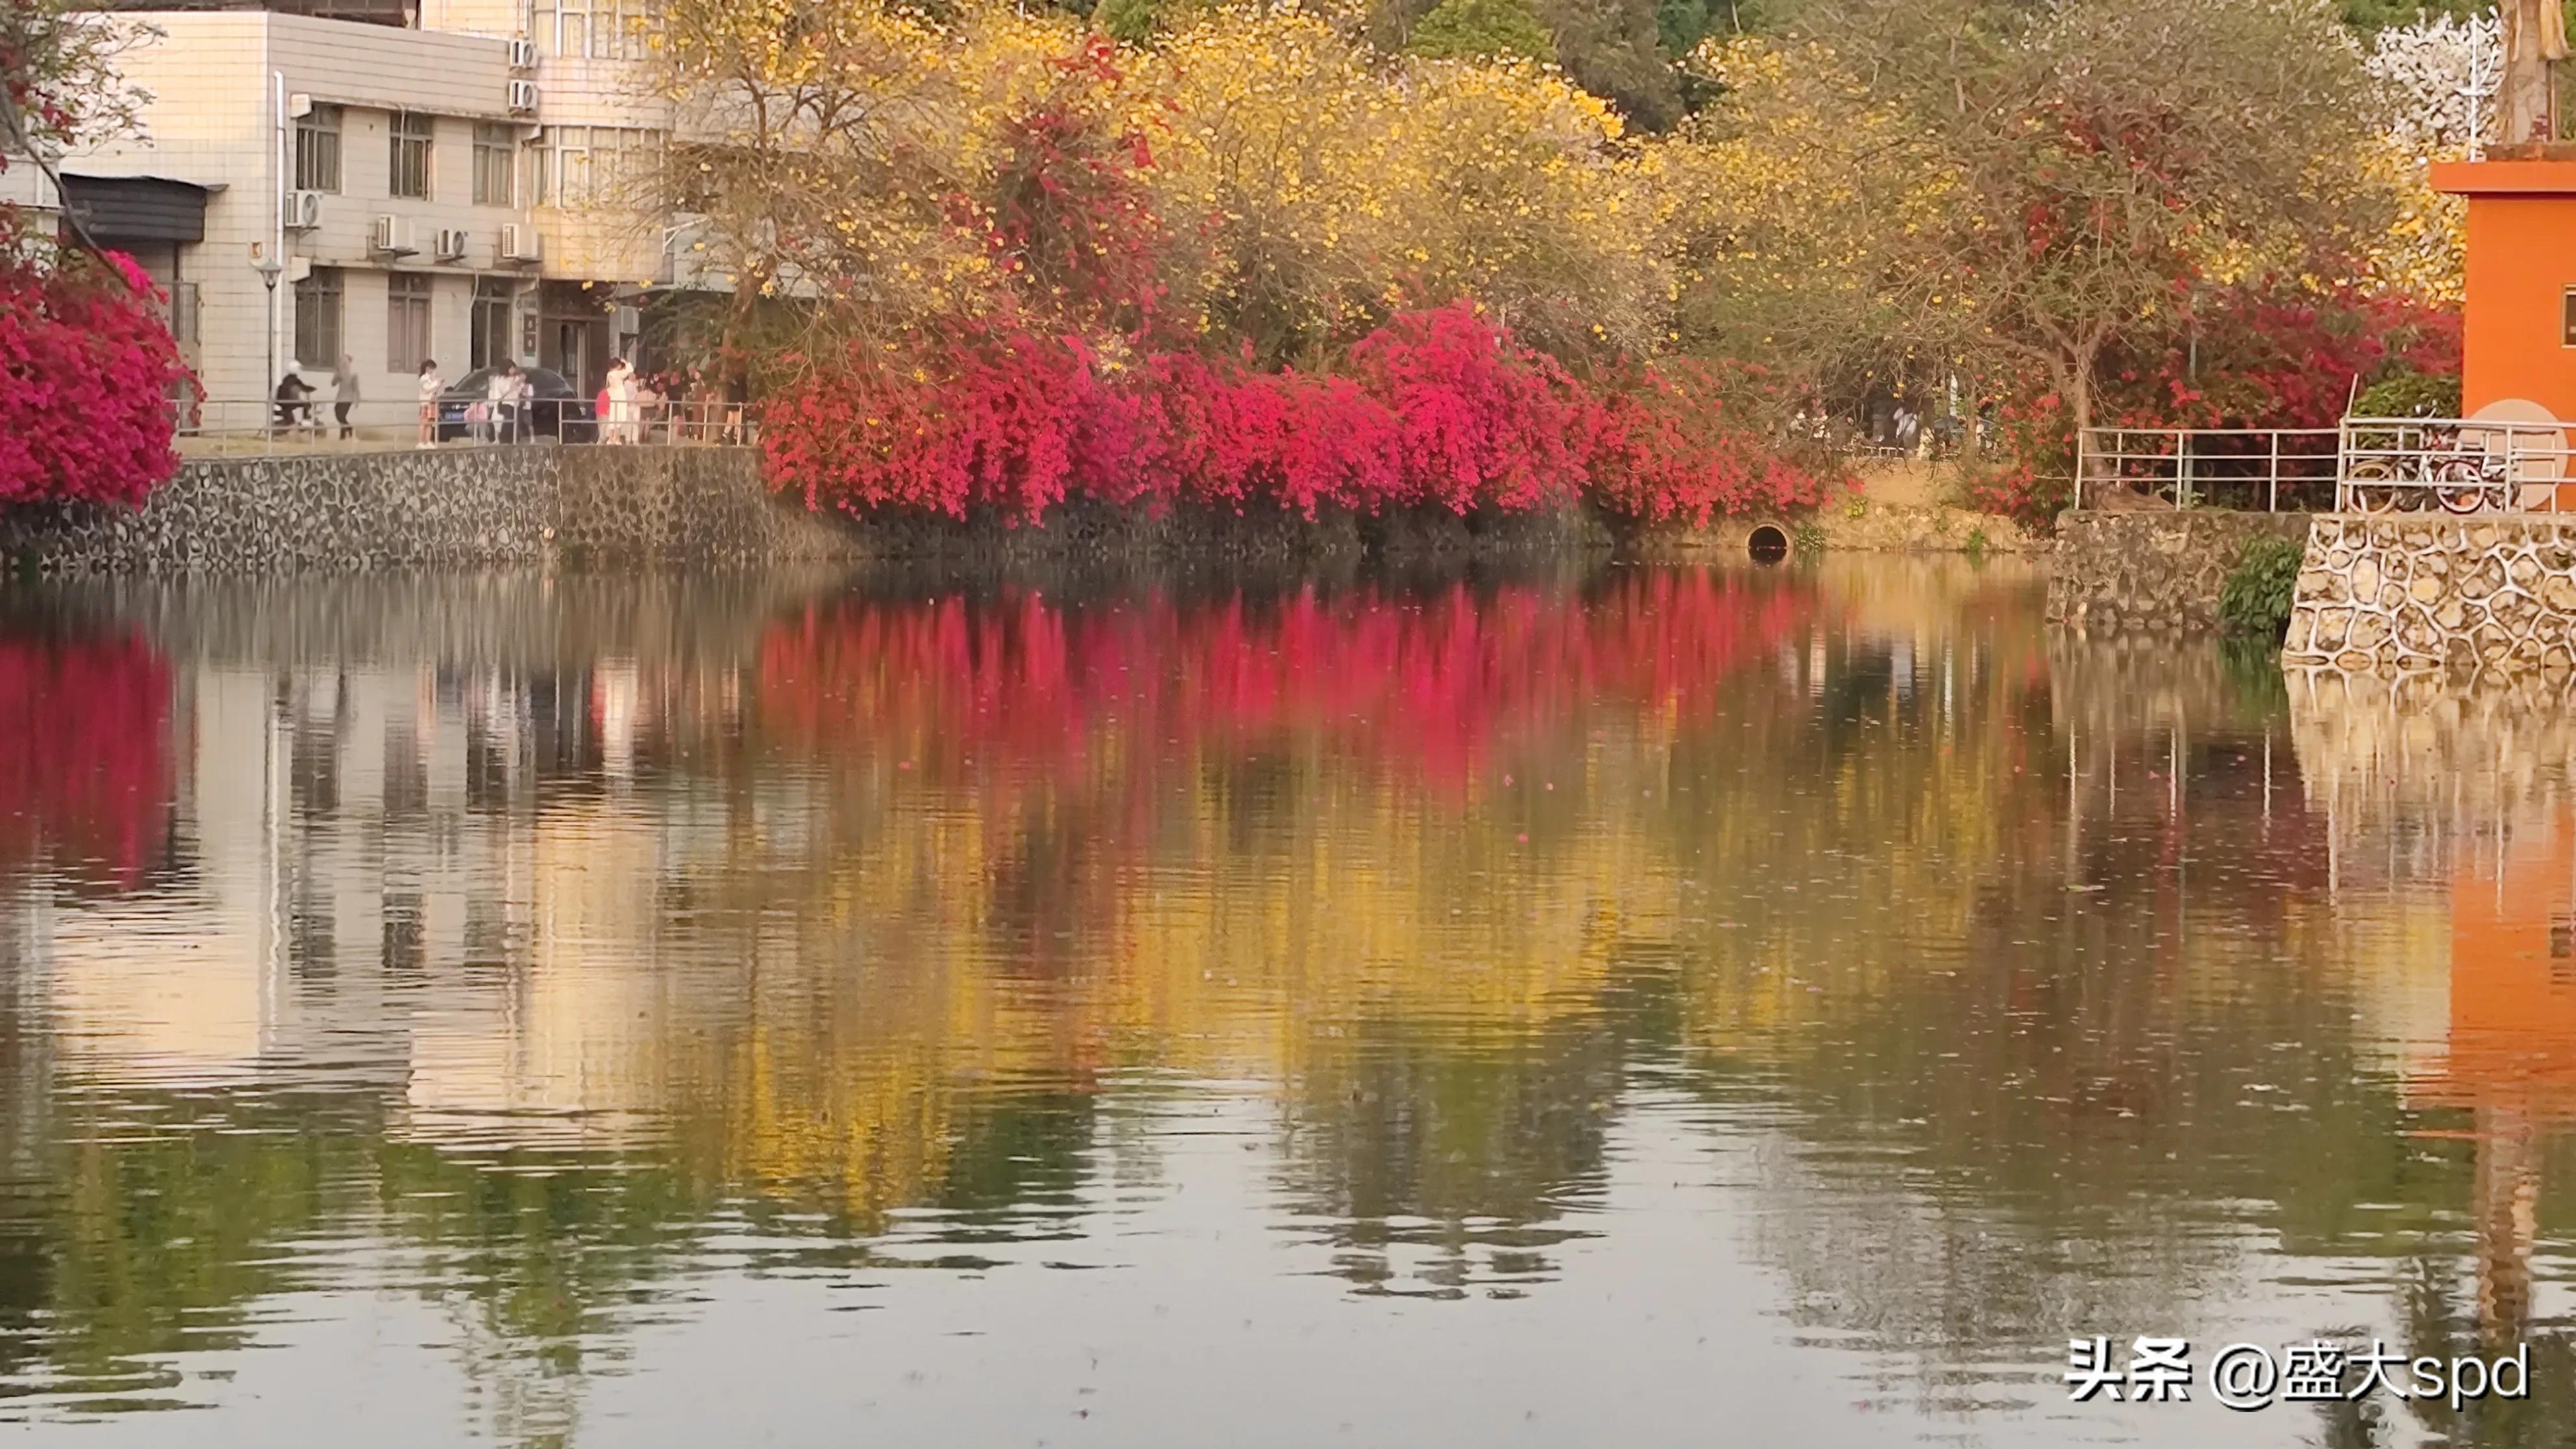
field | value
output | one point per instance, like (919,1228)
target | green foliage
(1476,30)
(1131,21)
(1808,537)
(2255,600)
(1683,24)
(1615,50)
(2407,393)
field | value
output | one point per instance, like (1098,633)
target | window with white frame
(407,342)
(598,29)
(496,151)
(488,331)
(414,133)
(317,149)
(583,167)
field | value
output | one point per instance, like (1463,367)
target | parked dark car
(555,408)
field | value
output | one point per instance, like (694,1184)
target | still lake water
(1640,1007)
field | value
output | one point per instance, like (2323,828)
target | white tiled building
(433,190)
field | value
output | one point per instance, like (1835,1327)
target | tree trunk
(2535,40)
(2079,402)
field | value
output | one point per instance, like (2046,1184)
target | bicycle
(2442,473)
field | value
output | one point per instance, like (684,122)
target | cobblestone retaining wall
(433,508)
(2152,570)
(2397,596)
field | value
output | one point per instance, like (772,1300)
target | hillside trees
(2015,190)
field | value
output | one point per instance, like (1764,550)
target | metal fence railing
(2266,470)
(2366,465)
(2453,465)
(222,427)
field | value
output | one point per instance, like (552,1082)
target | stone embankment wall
(434,508)
(2398,596)
(452,508)
(2152,570)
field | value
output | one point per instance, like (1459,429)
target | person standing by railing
(344,394)
(510,403)
(431,385)
(621,402)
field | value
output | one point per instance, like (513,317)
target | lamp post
(269,269)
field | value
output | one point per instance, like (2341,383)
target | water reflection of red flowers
(86,778)
(1432,685)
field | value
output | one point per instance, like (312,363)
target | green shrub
(2409,394)
(2255,600)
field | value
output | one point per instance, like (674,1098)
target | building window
(540,173)
(496,149)
(491,322)
(413,133)
(578,167)
(407,321)
(184,313)
(317,319)
(317,149)
(600,29)
(2567,317)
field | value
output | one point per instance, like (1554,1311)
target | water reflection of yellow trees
(2082,1008)
(870,919)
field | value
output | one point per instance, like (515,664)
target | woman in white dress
(621,402)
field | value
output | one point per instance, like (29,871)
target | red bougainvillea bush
(1436,408)
(88,372)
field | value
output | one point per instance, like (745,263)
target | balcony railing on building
(2367,465)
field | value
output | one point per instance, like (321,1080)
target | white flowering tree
(2437,79)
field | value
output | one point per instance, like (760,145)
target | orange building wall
(2521,261)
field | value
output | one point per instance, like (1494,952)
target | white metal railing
(219,427)
(2451,465)
(2267,470)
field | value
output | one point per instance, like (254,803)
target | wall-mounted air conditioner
(519,243)
(303,210)
(523,98)
(523,55)
(451,243)
(629,321)
(391,234)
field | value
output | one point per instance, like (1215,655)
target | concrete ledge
(2417,594)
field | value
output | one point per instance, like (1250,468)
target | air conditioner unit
(303,210)
(392,234)
(523,98)
(451,244)
(629,321)
(523,55)
(519,243)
